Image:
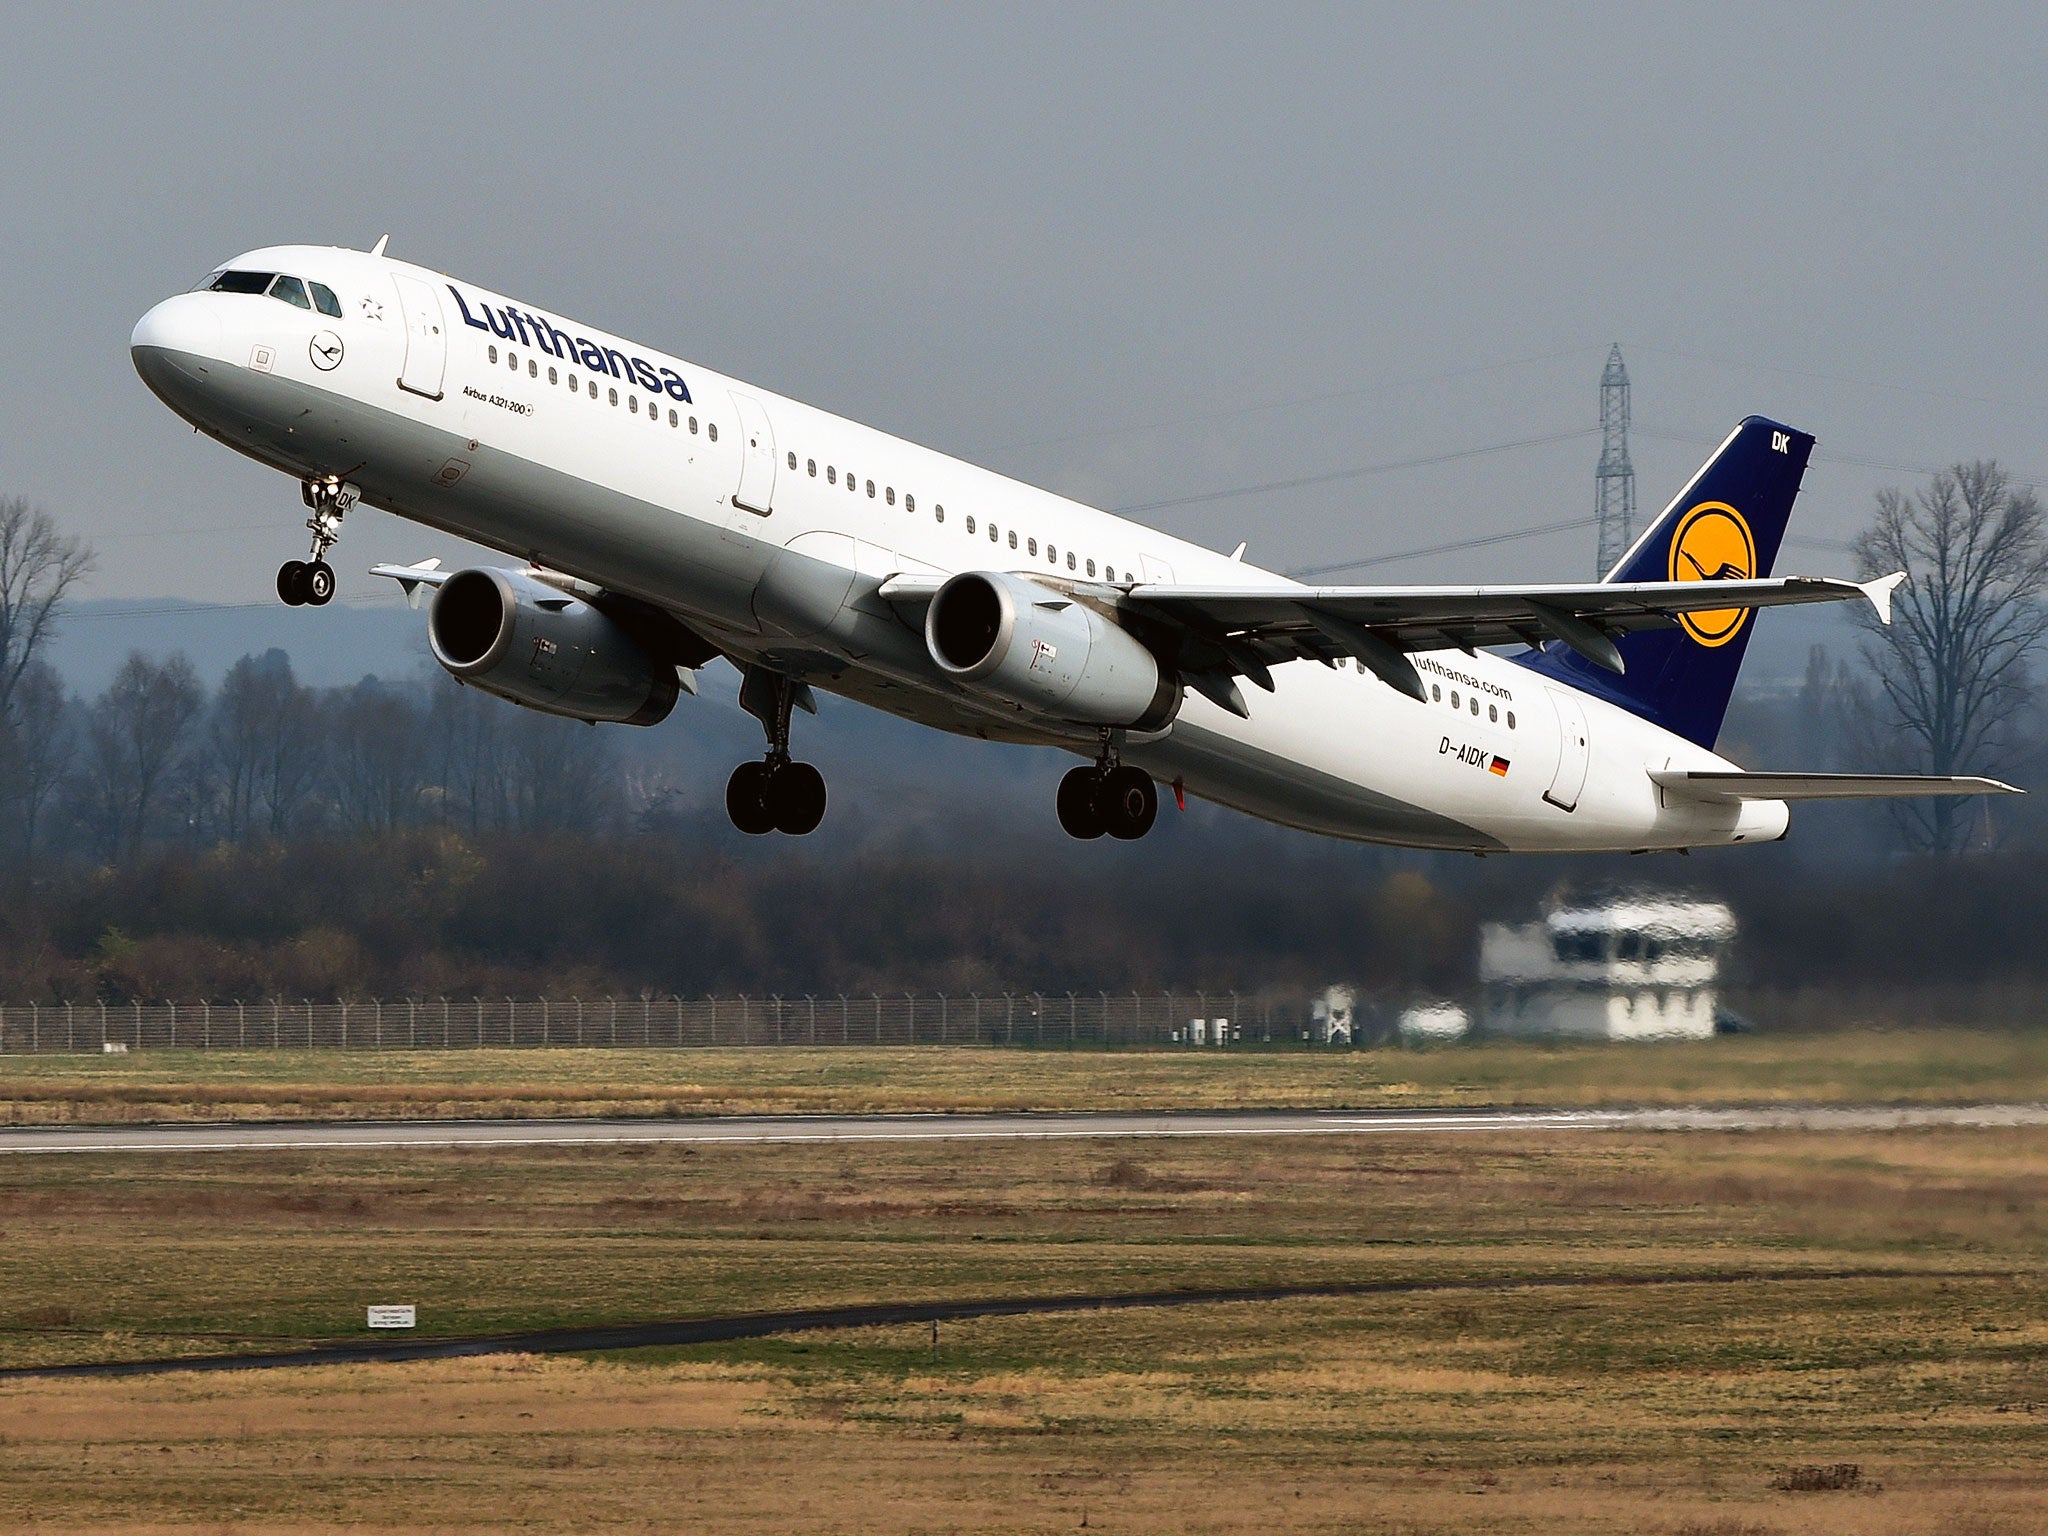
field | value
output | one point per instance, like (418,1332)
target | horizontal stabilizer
(1725,786)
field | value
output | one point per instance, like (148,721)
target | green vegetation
(1904,1066)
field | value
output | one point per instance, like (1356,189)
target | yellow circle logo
(1713,543)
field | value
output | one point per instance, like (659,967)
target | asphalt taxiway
(341,1135)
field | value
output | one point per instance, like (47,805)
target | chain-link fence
(1024,1019)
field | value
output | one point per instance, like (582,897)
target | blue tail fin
(1727,523)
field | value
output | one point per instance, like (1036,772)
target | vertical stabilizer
(1725,525)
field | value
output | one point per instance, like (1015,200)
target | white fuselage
(767,525)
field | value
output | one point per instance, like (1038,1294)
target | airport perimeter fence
(1049,1020)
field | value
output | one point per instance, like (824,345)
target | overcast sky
(1136,254)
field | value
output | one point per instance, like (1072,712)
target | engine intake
(537,645)
(1043,651)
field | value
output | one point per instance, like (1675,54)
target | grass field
(1926,1066)
(1669,1408)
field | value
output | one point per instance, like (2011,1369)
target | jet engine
(1041,650)
(537,645)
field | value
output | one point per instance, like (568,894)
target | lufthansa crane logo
(1713,543)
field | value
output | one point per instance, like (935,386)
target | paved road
(992,1127)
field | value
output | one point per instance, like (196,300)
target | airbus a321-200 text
(657,515)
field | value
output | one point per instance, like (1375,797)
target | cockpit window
(242,282)
(324,300)
(292,291)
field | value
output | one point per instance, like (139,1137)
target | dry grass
(1922,1066)
(1656,1409)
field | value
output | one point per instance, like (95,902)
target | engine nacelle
(1040,649)
(537,645)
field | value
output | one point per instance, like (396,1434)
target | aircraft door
(1574,751)
(426,342)
(756,491)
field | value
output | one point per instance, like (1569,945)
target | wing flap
(1726,787)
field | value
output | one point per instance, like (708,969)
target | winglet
(427,573)
(378,248)
(1880,594)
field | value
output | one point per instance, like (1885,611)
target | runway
(742,1130)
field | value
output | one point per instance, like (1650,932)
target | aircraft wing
(1242,631)
(1725,786)
(427,573)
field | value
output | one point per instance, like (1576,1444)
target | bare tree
(1952,665)
(263,742)
(36,747)
(135,740)
(38,566)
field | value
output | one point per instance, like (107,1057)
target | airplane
(659,515)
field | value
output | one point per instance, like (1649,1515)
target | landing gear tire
(796,798)
(293,584)
(1129,801)
(746,799)
(319,584)
(1079,806)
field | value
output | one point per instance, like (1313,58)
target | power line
(1358,473)
(1444,549)
(1234,412)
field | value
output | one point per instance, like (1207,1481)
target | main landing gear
(1108,797)
(775,794)
(311,582)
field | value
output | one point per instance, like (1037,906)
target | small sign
(392,1317)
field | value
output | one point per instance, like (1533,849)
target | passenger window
(910,503)
(1511,719)
(1493,714)
(292,291)
(1475,703)
(551,376)
(673,418)
(1091,567)
(494,354)
(512,358)
(711,430)
(1070,563)
(592,385)
(994,536)
(242,282)
(1436,692)
(1454,698)
(970,519)
(633,404)
(831,475)
(1034,547)
(792,461)
(574,387)
(889,495)
(325,301)
(871,490)
(812,466)
(615,396)
(532,369)
(1013,538)
(852,485)
(941,514)
(693,426)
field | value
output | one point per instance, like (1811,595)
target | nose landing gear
(775,794)
(311,581)
(1107,797)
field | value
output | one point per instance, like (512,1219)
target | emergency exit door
(1574,752)
(756,491)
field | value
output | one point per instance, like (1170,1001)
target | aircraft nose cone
(185,323)
(176,341)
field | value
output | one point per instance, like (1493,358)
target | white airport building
(1640,968)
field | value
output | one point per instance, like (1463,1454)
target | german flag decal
(1498,767)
